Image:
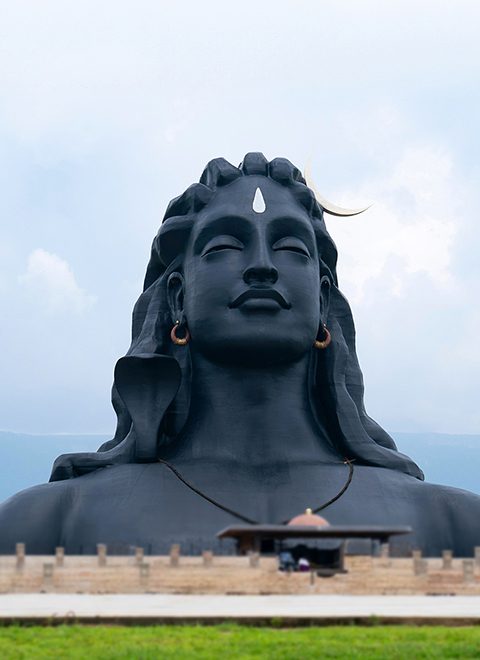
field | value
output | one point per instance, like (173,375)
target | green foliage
(235,641)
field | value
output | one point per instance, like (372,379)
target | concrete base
(261,610)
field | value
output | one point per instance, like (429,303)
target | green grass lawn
(235,641)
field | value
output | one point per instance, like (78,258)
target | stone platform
(227,575)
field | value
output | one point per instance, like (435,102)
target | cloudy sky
(108,109)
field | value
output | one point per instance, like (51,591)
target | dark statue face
(251,290)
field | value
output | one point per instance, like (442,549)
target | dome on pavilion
(309,519)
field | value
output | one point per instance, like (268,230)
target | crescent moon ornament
(327,206)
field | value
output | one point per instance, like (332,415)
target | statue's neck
(252,416)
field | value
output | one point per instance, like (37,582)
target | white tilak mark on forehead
(258,204)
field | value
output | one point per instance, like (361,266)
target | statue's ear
(175,290)
(147,384)
(324,298)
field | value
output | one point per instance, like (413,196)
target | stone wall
(210,574)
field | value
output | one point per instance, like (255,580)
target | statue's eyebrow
(291,226)
(230,224)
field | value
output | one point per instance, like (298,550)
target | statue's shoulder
(445,497)
(33,516)
(452,497)
(456,510)
(458,500)
(442,517)
(46,516)
(450,502)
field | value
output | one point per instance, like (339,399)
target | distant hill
(26,460)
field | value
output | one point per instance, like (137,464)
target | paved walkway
(152,608)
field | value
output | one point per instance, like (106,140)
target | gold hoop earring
(180,341)
(325,342)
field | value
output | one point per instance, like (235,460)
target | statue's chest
(150,506)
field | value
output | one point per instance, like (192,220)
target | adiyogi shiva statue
(241,397)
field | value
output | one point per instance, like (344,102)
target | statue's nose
(261,269)
(260,274)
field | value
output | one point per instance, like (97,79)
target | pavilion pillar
(385,554)
(207,556)
(144,574)
(420,566)
(477,555)
(47,576)
(468,570)
(175,554)
(59,556)
(20,556)
(447,556)
(254,559)
(102,554)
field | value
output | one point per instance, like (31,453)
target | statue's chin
(255,352)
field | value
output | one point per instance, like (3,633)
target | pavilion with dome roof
(304,528)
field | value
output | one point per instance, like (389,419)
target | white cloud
(410,228)
(408,268)
(50,278)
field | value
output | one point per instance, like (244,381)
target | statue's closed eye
(222,243)
(291,244)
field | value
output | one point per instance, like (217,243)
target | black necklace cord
(206,497)
(339,494)
(344,489)
(235,514)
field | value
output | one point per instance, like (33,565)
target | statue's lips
(260,294)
